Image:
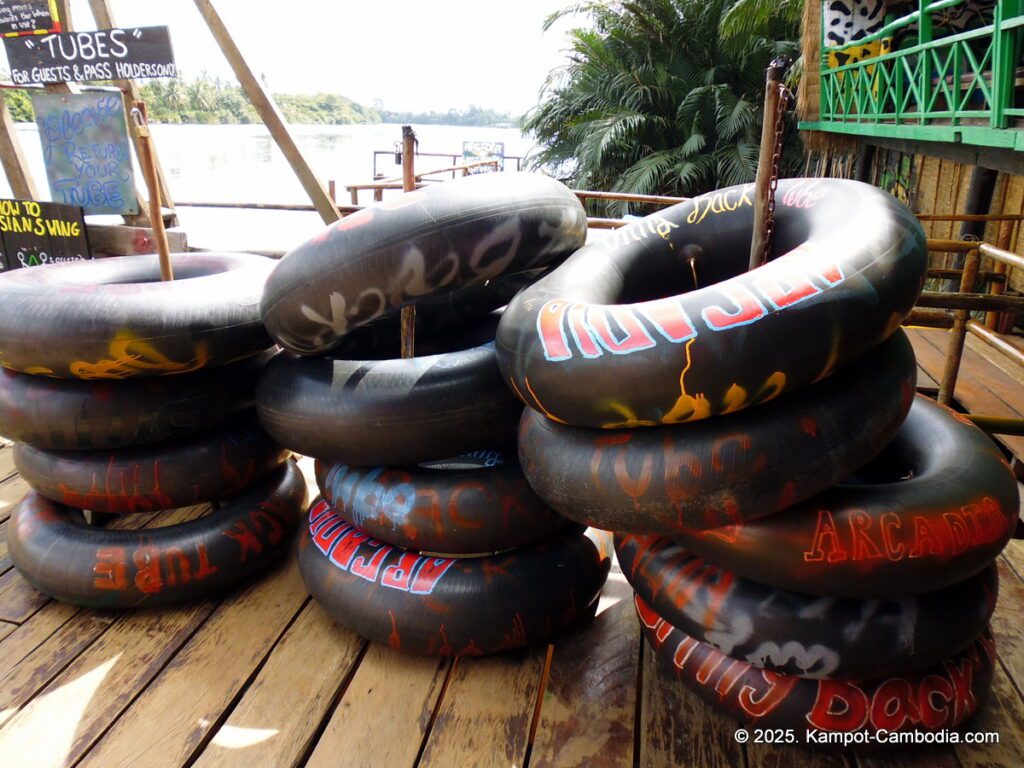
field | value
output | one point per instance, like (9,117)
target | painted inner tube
(445,312)
(483,505)
(126,322)
(879,534)
(438,606)
(797,634)
(59,554)
(620,336)
(63,414)
(388,412)
(204,467)
(725,470)
(387,256)
(935,699)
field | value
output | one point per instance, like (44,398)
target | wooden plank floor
(264,678)
(988,383)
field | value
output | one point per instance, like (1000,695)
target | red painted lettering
(825,545)
(147,574)
(668,318)
(429,573)
(748,308)
(205,569)
(863,547)
(581,333)
(110,570)
(894,705)
(839,706)
(962,677)
(934,695)
(551,333)
(683,651)
(635,337)
(758,703)
(890,524)
(346,546)
(246,538)
(369,567)
(924,538)
(784,286)
(273,527)
(173,556)
(959,535)
(399,575)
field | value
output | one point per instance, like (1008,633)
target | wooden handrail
(969,216)
(1005,257)
(586,194)
(993,339)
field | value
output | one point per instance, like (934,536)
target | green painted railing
(955,88)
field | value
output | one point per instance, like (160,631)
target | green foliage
(475,115)
(656,98)
(210,101)
(20,105)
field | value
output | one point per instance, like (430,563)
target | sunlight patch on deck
(235,737)
(60,710)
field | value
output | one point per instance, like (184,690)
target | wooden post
(958,333)
(269,113)
(148,162)
(408,185)
(1004,241)
(13,158)
(105,20)
(765,165)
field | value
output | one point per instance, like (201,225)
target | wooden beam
(269,113)
(105,20)
(131,241)
(13,158)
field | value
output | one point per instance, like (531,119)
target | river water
(241,164)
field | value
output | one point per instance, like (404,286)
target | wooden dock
(263,678)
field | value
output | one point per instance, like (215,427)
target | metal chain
(780,127)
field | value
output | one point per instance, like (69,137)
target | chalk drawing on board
(86,152)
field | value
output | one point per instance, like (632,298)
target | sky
(408,54)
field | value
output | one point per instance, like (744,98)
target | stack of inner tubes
(426,536)
(811,545)
(128,396)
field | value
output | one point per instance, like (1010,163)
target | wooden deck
(263,678)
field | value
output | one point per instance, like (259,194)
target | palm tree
(656,98)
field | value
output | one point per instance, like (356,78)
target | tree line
(211,101)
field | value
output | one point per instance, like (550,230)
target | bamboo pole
(994,340)
(149,170)
(972,302)
(759,242)
(931,318)
(408,322)
(1003,242)
(958,333)
(997,425)
(269,113)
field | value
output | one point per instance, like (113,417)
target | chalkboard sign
(85,149)
(475,151)
(103,54)
(28,17)
(34,233)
